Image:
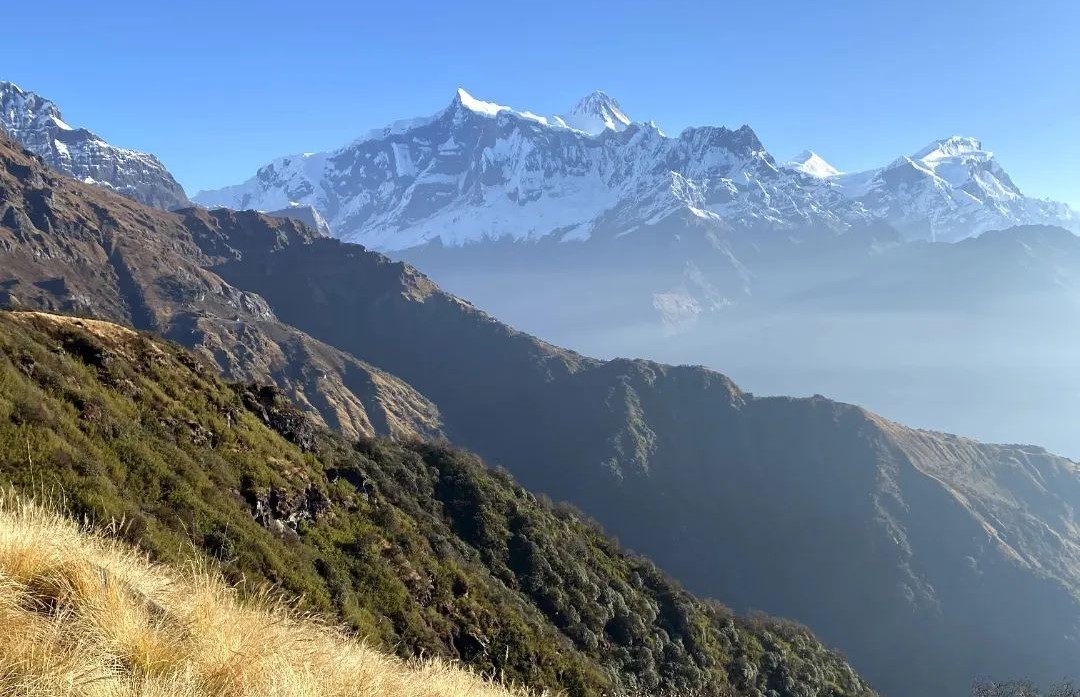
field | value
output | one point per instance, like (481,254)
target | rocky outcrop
(270,405)
(282,512)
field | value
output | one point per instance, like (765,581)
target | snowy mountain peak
(23,109)
(950,189)
(464,103)
(595,113)
(20,105)
(6,87)
(810,163)
(466,100)
(964,164)
(950,147)
(35,123)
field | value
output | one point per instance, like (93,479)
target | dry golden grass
(105,330)
(83,615)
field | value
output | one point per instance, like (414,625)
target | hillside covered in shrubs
(416,546)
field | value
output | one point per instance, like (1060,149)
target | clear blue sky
(217,89)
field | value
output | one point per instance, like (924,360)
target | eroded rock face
(35,122)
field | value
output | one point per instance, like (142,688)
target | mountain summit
(35,122)
(595,113)
(467,101)
(810,163)
(952,146)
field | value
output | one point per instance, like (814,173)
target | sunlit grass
(86,616)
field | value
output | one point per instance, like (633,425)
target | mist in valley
(980,339)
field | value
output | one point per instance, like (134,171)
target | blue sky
(217,89)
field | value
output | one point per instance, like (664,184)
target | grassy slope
(85,616)
(418,547)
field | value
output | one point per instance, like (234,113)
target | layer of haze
(998,362)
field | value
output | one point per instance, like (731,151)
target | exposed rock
(282,512)
(268,403)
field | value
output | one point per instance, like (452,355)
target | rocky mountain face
(929,559)
(36,124)
(70,247)
(481,172)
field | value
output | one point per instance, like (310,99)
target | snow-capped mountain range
(479,171)
(35,122)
